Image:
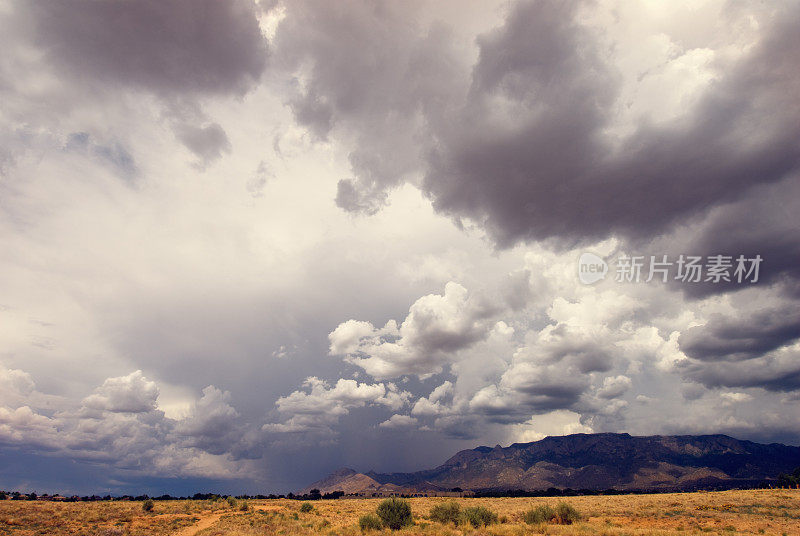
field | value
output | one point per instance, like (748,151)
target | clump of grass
(395,513)
(306,507)
(538,515)
(369,522)
(231,501)
(244,506)
(479,516)
(562,514)
(449,512)
(148,505)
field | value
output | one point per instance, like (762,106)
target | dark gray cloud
(762,224)
(375,88)
(520,145)
(742,337)
(213,424)
(754,345)
(165,47)
(548,171)
(208,142)
(775,371)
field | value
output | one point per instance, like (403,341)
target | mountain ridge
(588,461)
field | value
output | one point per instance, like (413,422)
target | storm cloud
(245,244)
(522,143)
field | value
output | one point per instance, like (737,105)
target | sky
(243,244)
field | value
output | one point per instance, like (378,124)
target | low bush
(306,507)
(449,512)
(369,522)
(148,505)
(540,514)
(395,513)
(562,514)
(479,516)
(566,514)
(244,506)
(231,501)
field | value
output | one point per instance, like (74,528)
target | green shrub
(369,522)
(244,506)
(479,516)
(395,513)
(148,505)
(540,514)
(306,507)
(563,514)
(449,512)
(566,514)
(231,501)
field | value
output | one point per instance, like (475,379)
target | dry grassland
(774,512)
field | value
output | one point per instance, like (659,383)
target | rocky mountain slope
(589,461)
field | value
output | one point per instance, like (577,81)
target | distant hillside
(350,482)
(588,461)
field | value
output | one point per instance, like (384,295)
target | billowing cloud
(15,384)
(435,403)
(126,394)
(315,411)
(528,142)
(23,426)
(778,370)
(409,70)
(121,427)
(614,387)
(399,422)
(738,338)
(212,424)
(437,326)
(545,96)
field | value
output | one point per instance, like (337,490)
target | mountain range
(586,461)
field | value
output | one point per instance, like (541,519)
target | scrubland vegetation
(775,512)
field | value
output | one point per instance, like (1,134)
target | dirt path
(206,520)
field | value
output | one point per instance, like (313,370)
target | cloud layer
(347,234)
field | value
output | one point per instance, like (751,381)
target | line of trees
(789,481)
(17,496)
(313,495)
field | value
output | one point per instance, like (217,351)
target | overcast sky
(245,244)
